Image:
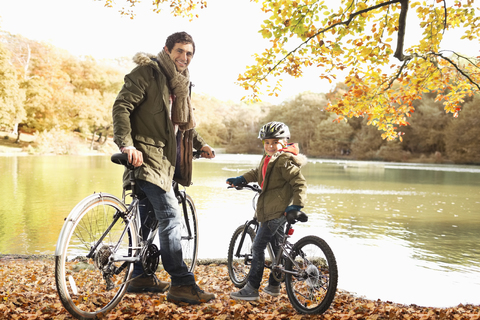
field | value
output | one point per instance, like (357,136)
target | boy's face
(271,146)
(181,55)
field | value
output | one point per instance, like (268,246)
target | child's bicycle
(308,267)
(100,241)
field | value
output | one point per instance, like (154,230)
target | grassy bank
(55,142)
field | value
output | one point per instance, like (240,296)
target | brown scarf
(179,84)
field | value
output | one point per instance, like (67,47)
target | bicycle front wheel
(239,266)
(312,276)
(93,284)
(189,233)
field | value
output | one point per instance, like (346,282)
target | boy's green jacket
(284,184)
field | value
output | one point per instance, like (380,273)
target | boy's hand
(236,181)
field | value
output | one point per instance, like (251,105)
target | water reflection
(400,232)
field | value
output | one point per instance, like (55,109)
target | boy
(283,189)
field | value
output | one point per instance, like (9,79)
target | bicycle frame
(284,247)
(242,239)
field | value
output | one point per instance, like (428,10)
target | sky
(226,36)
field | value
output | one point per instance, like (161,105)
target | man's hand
(135,157)
(207,152)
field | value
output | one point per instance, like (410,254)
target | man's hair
(179,37)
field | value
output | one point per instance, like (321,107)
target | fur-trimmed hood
(145,59)
(299,159)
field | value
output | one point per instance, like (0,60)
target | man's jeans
(167,212)
(267,232)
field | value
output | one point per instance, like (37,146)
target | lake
(406,233)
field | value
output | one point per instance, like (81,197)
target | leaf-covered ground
(27,291)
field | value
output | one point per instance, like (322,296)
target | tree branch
(347,22)
(475,65)
(458,69)
(446,15)
(402,22)
(405,62)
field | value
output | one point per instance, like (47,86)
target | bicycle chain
(150,259)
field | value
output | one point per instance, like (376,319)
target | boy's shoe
(147,284)
(191,294)
(274,291)
(247,293)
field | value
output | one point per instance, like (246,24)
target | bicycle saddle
(293,216)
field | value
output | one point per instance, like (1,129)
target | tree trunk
(93,139)
(17,132)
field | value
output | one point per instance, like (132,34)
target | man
(153,123)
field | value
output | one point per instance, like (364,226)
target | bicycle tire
(189,241)
(80,282)
(238,267)
(312,289)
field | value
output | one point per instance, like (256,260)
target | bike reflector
(290,232)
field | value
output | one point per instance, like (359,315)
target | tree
(58,92)
(311,126)
(181,8)
(11,96)
(461,140)
(356,36)
(427,130)
(210,118)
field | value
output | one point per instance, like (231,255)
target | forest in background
(48,92)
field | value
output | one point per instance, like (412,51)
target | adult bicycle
(308,267)
(103,237)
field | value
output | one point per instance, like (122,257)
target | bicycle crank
(150,259)
(278,273)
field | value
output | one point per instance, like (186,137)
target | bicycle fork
(247,256)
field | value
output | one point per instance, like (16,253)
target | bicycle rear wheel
(90,286)
(189,233)
(311,289)
(239,267)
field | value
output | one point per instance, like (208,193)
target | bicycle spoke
(311,288)
(239,267)
(88,286)
(189,232)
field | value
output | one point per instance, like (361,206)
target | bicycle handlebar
(122,158)
(252,187)
(292,216)
(198,154)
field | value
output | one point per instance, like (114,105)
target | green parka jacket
(141,118)
(284,185)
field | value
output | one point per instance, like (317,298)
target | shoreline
(85,147)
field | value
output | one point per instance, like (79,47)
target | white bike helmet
(274,130)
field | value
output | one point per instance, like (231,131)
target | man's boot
(147,284)
(191,294)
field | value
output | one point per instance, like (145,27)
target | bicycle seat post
(131,176)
